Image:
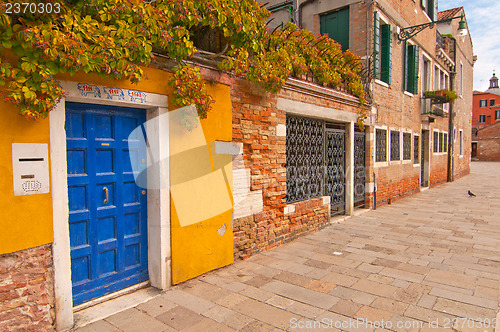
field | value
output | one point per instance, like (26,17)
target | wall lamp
(408,32)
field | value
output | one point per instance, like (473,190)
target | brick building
(411,141)
(486,105)
(278,166)
(486,143)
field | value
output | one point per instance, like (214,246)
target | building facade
(117,195)
(413,141)
(486,105)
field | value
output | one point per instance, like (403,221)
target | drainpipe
(299,11)
(374,191)
(451,126)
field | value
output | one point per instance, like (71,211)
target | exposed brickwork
(255,118)
(488,143)
(26,290)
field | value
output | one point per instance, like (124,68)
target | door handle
(106,200)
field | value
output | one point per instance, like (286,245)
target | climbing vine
(113,38)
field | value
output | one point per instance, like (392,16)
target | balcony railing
(439,40)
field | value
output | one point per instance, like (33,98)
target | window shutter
(423,2)
(376,44)
(415,70)
(386,53)
(405,66)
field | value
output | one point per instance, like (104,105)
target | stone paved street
(429,260)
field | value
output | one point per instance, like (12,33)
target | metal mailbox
(30,168)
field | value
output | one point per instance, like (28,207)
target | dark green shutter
(376,44)
(423,3)
(386,53)
(405,66)
(415,69)
(336,25)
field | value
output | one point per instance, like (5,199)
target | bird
(471,194)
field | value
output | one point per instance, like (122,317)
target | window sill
(409,94)
(416,165)
(395,162)
(407,161)
(381,164)
(382,83)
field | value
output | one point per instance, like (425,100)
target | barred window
(440,142)
(381,145)
(406,146)
(445,142)
(394,145)
(416,145)
(304,158)
(436,142)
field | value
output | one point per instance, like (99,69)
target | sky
(484,26)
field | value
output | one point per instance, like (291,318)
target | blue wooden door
(107,210)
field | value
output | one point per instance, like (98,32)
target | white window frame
(399,161)
(387,147)
(401,146)
(418,151)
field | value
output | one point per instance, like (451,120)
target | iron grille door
(304,158)
(359,169)
(335,169)
(422,159)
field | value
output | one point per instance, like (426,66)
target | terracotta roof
(449,13)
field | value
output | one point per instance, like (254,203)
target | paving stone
(156,306)
(426,315)
(340,279)
(218,313)
(370,268)
(317,264)
(320,286)
(463,310)
(427,301)
(238,321)
(486,292)
(346,308)
(257,293)
(401,283)
(257,326)
(194,303)
(179,318)
(450,278)
(206,291)
(474,300)
(258,281)
(280,302)
(265,313)
(374,288)
(389,305)
(386,262)
(372,314)
(380,279)
(127,321)
(317,274)
(208,325)
(300,294)
(305,310)
(99,326)
(231,300)
(292,278)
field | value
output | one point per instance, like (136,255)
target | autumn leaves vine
(113,38)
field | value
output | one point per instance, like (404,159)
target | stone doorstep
(113,306)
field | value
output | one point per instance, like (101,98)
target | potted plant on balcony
(441,96)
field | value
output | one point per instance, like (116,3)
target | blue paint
(108,239)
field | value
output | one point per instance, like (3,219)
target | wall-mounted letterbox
(30,167)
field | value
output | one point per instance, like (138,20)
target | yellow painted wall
(198,248)
(25,221)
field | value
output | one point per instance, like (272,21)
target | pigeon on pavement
(471,194)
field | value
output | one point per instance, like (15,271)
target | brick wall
(255,126)
(26,290)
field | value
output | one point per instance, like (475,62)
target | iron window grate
(381,145)
(406,146)
(415,149)
(394,145)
